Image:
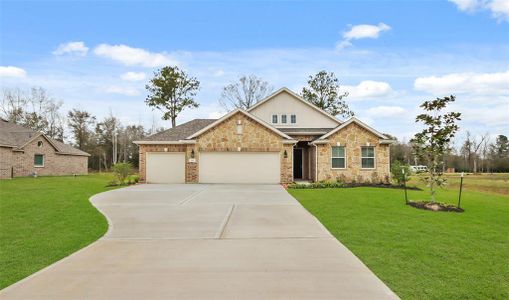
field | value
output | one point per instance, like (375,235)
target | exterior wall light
(192,153)
(285,154)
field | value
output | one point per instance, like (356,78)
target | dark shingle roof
(181,131)
(15,136)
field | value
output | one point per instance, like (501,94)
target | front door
(297,163)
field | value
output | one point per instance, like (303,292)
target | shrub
(397,172)
(122,171)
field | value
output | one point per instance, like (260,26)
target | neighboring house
(24,152)
(281,139)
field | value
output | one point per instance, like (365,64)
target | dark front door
(297,163)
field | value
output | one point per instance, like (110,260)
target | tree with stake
(433,141)
(171,91)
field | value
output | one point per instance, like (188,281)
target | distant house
(24,152)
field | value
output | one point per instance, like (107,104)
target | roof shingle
(181,131)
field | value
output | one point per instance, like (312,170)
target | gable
(225,135)
(354,123)
(286,102)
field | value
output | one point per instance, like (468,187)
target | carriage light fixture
(192,153)
(285,154)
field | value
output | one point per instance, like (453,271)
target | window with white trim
(368,157)
(338,157)
(283,119)
(38,160)
(293,119)
(274,119)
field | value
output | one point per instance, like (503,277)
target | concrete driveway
(205,242)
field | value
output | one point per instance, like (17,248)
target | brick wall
(158,148)
(353,137)
(5,162)
(54,164)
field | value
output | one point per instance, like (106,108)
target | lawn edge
(110,225)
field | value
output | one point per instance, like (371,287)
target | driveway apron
(190,241)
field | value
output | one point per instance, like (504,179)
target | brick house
(24,152)
(281,139)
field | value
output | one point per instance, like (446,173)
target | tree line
(474,154)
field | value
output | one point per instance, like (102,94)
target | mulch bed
(435,206)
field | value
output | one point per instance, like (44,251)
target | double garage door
(216,167)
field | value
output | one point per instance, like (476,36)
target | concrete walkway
(205,242)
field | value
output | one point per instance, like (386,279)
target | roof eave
(179,142)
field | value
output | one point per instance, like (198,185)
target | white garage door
(239,167)
(165,167)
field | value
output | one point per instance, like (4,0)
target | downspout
(316,162)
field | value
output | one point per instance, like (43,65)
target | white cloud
(218,73)
(126,91)
(362,31)
(130,56)
(133,76)
(499,8)
(454,83)
(77,48)
(10,71)
(386,111)
(368,89)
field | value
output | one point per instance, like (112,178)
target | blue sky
(390,55)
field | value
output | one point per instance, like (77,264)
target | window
(368,157)
(338,157)
(283,119)
(39,144)
(293,119)
(274,119)
(38,160)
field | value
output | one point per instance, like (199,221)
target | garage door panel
(165,167)
(241,167)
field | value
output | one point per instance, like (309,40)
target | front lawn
(45,219)
(421,254)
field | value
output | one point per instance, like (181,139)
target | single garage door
(239,167)
(165,167)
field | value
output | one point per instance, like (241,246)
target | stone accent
(287,164)
(353,137)
(55,164)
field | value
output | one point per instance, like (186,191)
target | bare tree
(244,93)
(14,102)
(477,148)
(36,110)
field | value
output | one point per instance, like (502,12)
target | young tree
(80,121)
(433,141)
(324,92)
(171,91)
(244,93)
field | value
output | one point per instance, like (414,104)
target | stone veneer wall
(353,137)
(54,164)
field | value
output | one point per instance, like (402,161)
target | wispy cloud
(476,83)
(126,91)
(133,76)
(73,48)
(10,71)
(130,56)
(362,31)
(386,111)
(499,8)
(368,89)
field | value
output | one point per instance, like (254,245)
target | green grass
(421,254)
(45,219)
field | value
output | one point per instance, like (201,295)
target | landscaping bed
(435,206)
